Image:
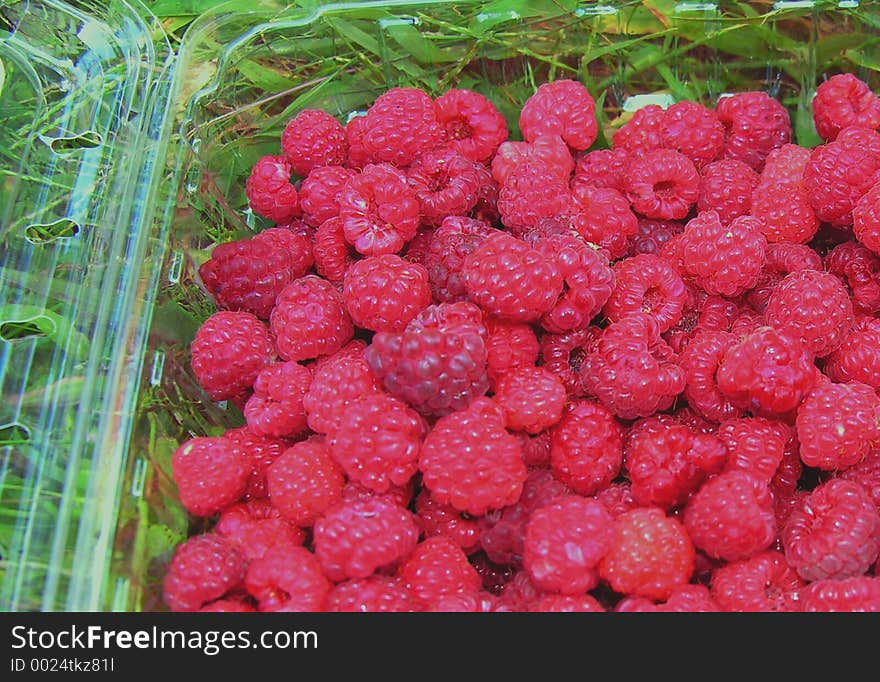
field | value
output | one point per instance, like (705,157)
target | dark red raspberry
(601,168)
(650,555)
(445,184)
(861,594)
(652,235)
(385,293)
(379,211)
(586,447)
(309,320)
(210,473)
(763,583)
(536,449)
(470,462)
(700,361)
(834,533)
(790,469)
(255,533)
(375,594)
(731,516)
(859,268)
(320,191)
(564,543)
(646,284)
(567,603)
(260,452)
(447,248)
(305,482)
(276,406)
(563,108)
(228,352)
(532,399)
(547,154)
(442,519)
(755,445)
(563,354)
(602,216)
(269,191)
(438,363)
(203,569)
(508,345)
(755,125)
(643,131)
(401,125)
(355,130)
(858,357)
(472,125)
(314,138)
(532,192)
(726,187)
(866,219)
(333,255)
(287,578)
(844,100)
(836,177)
(785,212)
(617,498)
(438,568)
(867,474)
(662,184)
(684,599)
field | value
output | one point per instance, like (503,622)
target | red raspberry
(210,473)
(564,543)
(667,462)
(508,345)
(834,533)
(684,599)
(398,495)
(646,284)
(494,577)
(309,320)
(767,372)
(470,462)
(447,248)
(603,217)
(269,191)
(401,125)
(785,212)
(314,138)
(276,407)
(731,516)
(586,447)
(519,593)
(726,187)
(755,125)
(355,130)
(632,371)
(858,357)
(333,255)
(377,442)
(844,100)
(859,268)
(531,398)
(662,184)
(867,474)
(253,534)
(375,594)
(228,352)
(782,260)
(260,452)
(385,293)
(472,125)
(702,312)
(700,361)
(861,594)
(441,519)
(763,583)
(567,603)
(617,498)
(643,131)
(811,306)
(563,108)
(693,130)
(445,184)
(287,578)
(320,191)
(601,168)
(652,235)
(438,363)
(438,568)
(203,569)
(547,154)
(785,166)
(228,606)
(486,208)
(859,136)
(650,555)
(305,482)
(755,445)
(536,449)
(532,192)
(355,538)
(866,219)
(788,473)
(563,354)
(836,177)
(379,211)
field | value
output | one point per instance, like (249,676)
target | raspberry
(785,166)
(683,599)
(859,268)
(269,191)
(401,125)
(260,452)
(603,217)
(726,187)
(377,442)
(617,498)
(811,306)
(731,516)
(563,108)
(547,154)
(536,449)
(763,583)
(385,293)
(313,138)
(210,473)
(441,519)
(276,407)
(788,473)
(693,130)
(438,568)
(438,363)
(228,352)
(785,212)
(858,357)
(702,312)
(530,193)
(532,399)
(755,445)
(867,474)
(866,219)
(305,482)
(844,100)
(508,345)
(563,354)
(662,184)
(379,211)
(700,361)
(469,461)
(203,569)
(398,495)
(253,534)
(642,132)
(486,208)
(755,125)
(448,246)
(650,555)
(309,320)
(472,125)
(632,371)
(355,538)
(601,168)
(355,130)
(287,578)
(859,136)
(782,260)
(320,191)
(228,606)
(333,255)
(445,184)
(861,594)
(836,177)
(586,447)
(375,594)
(567,603)
(652,235)
(666,461)
(646,284)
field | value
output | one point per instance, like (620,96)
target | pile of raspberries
(491,375)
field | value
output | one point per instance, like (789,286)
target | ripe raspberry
(662,184)
(700,361)
(601,168)
(438,568)
(401,125)
(726,187)
(836,177)
(763,583)
(782,260)
(642,132)
(313,138)
(376,594)
(355,538)
(355,130)
(652,235)
(788,473)
(228,606)
(617,498)
(563,354)
(333,255)
(445,184)
(508,345)
(866,219)
(305,482)
(276,407)
(210,473)
(701,312)
(398,495)
(859,268)
(287,578)
(536,449)
(260,452)
(844,100)
(646,284)
(531,193)
(269,191)
(858,357)
(785,166)
(650,555)
(586,447)
(379,211)
(859,136)
(441,519)
(785,212)
(519,593)
(603,217)
(666,461)
(320,191)
(563,108)
(567,603)
(228,352)
(438,363)
(531,398)
(834,533)
(309,320)
(447,248)
(684,599)
(486,208)
(472,125)
(377,442)
(203,569)
(755,125)
(385,293)
(755,445)
(253,533)
(693,130)
(867,474)
(731,516)
(469,461)
(547,154)
(861,594)
(811,306)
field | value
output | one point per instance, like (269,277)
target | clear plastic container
(103,395)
